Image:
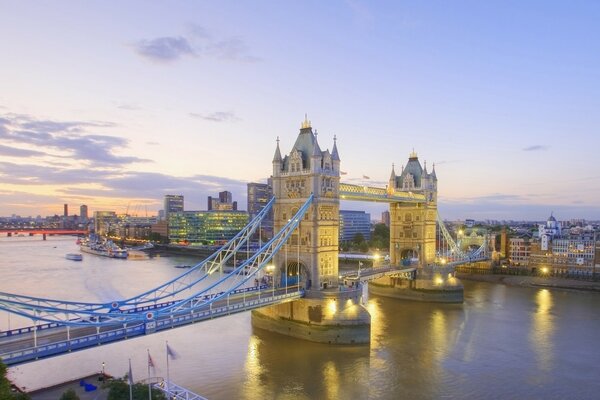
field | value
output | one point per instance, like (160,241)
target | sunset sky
(115,104)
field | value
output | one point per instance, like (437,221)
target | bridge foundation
(432,284)
(326,316)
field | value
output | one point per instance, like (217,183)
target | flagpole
(149,384)
(168,377)
(130,382)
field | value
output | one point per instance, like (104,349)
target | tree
(358,238)
(69,395)
(4,383)
(5,393)
(119,390)
(381,237)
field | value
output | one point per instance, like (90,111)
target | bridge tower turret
(310,256)
(308,169)
(412,225)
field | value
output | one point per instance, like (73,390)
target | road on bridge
(223,307)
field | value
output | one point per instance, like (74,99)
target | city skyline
(190,99)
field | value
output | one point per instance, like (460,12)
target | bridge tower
(310,257)
(413,225)
(308,169)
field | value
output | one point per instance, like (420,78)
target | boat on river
(105,248)
(74,257)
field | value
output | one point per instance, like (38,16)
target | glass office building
(205,227)
(353,222)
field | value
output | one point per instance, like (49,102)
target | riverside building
(213,227)
(353,223)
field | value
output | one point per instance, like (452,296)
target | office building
(259,195)
(223,203)
(173,203)
(385,218)
(352,223)
(83,212)
(213,227)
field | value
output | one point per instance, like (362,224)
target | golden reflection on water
(331,379)
(378,323)
(439,335)
(253,367)
(542,330)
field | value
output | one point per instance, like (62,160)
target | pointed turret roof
(393,175)
(425,168)
(433,175)
(316,148)
(277,156)
(334,152)
(414,168)
(306,144)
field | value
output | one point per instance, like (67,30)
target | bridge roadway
(57,340)
(368,274)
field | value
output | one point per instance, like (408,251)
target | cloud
(219,116)
(537,147)
(164,49)
(198,42)
(233,49)
(69,137)
(28,174)
(128,107)
(16,152)
(152,143)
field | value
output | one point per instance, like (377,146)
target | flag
(150,361)
(366,177)
(172,353)
(130,374)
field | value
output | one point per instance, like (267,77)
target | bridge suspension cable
(224,287)
(448,251)
(187,280)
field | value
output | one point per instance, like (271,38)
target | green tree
(381,237)
(119,390)
(69,395)
(5,393)
(358,239)
(4,383)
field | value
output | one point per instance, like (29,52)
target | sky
(115,104)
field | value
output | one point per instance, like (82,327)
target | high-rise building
(353,223)
(225,197)
(385,218)
(259,195)
(173,203)
(66,210)
(83,212)
(223,203)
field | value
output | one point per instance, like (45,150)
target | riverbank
(534,281)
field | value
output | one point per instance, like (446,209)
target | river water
(503,342)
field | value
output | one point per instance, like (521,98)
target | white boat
(103,248)
(74,257)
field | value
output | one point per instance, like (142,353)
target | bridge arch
(295,273)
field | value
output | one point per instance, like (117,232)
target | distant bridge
(42,231)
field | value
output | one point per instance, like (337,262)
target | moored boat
(74,257)
(107,248)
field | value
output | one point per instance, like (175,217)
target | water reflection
(542,330)
(282,367)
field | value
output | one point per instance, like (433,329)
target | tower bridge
(292,282)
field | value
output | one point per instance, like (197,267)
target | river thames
(503,342)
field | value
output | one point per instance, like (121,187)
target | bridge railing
(167,322)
